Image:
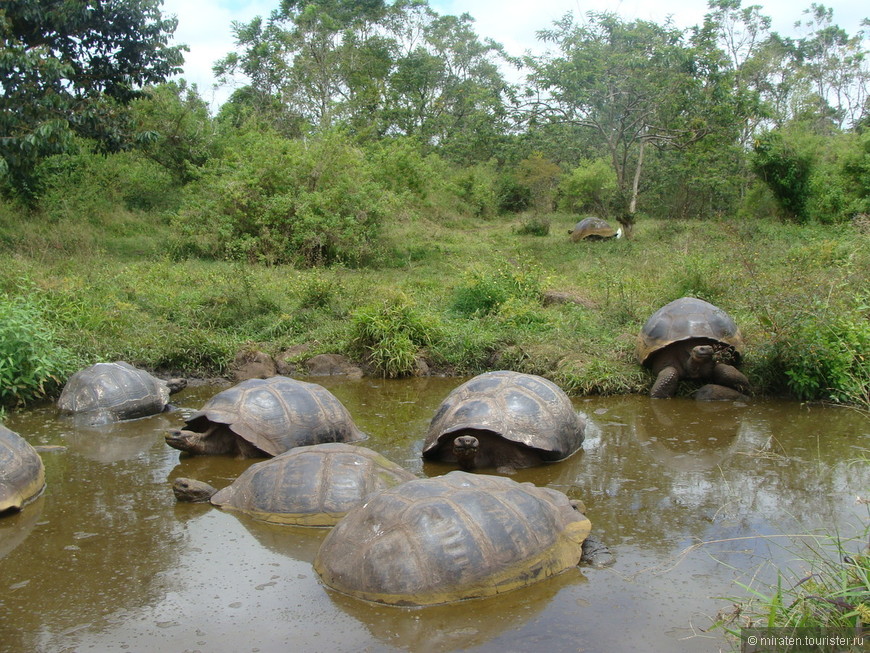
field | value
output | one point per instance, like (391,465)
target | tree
(68,67)
(636,84)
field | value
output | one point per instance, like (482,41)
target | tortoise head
(190,490)
(702,353)
(215,439)
(465,448)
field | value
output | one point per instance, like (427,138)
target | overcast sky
(205,25)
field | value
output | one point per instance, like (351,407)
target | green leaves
(65,66)
(32,364)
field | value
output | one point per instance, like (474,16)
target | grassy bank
(464,294)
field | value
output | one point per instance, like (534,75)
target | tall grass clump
(485,290)
(391,335)
(831,592)
(32,363)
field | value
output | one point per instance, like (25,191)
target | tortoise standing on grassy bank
(679,341)
(505,420)
(259,418)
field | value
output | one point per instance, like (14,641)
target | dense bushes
(272,200)
(32,363)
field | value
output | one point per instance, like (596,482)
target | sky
(205,26)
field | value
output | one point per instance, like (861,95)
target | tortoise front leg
(729,375)
(666,383)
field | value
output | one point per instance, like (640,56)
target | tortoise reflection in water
(452,537)
(259,418)
(306,486)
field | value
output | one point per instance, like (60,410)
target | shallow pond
(690,497)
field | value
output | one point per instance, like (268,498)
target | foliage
(588,187)
(534,225)
(830,594)
(173,129)
(68,66)
(824,356)
(32,363)
(390,336)
(540,176)
(485,290)
(273,200)
(786,172)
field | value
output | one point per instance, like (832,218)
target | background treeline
(384,137)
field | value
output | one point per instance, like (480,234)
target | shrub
(589,187)
(786,171)
(821,356)
(32,364)
(533,225)
(274,200)
(390,336)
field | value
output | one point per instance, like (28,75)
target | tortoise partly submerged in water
(593,228)
(109,392)
(259,418)
(679,341)
(306,486)
(22,473)
(452,537)
(505,420)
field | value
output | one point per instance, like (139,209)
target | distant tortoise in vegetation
(259,418)
(452,537)
(22,474)
(679,342)
(594,229)
(505,420)
(306,486)
(108,392)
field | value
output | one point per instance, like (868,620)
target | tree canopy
(68,65)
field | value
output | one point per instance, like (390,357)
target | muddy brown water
(692,498)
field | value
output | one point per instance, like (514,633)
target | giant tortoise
(593,228)
(505,420)
(306,486)
(680,340)
(259,418)
(452,537)
(22,474)
(108,392)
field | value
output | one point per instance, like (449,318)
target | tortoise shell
(108,392)
(688,318)
(451,537)
(521,408)
(592,226)
(278,414)
(22,474)
(311,486)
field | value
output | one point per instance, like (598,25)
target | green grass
(479,285)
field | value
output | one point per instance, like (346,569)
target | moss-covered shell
(22,474)
(688,318)
(522,408)
(311,486)
(113,391)
(452,537)
(279,413)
